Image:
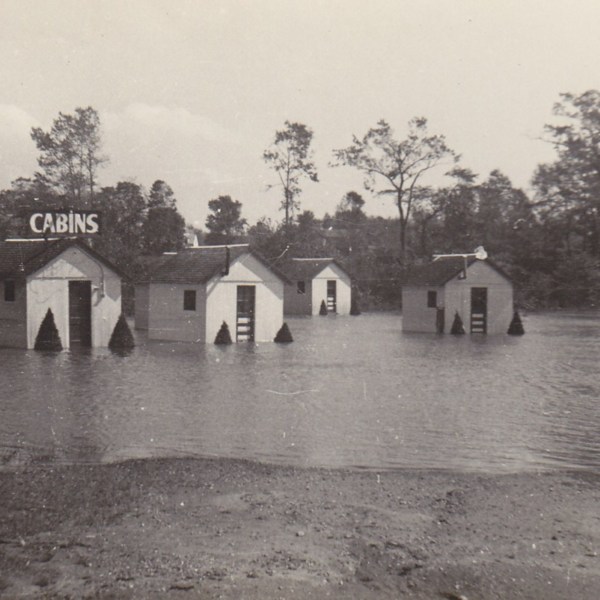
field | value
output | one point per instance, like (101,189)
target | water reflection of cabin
(188,295)
(81,287)
(314,280)
(478,290)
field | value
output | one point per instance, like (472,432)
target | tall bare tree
(290,156)
(396,167)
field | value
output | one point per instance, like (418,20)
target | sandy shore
(233,529)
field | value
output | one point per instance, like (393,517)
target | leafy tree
(123,214)
(290,156)
(161,195)
(25,195)
(351,201)
(568,189)
(306,236)
(350,209)
(164,228)
(225,223)
(70,154)
(396,167)
(457,210)
(270,240)
(506,223)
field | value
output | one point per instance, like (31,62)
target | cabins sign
(46,223)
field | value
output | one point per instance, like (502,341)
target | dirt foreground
(187,529)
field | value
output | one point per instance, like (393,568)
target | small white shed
(189,294)
(313,281)
(479,291)
(81,287)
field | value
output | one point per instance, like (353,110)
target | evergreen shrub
(457,325)
(284,335)
(121,337)
(223,335)
(516,326)
(48,337)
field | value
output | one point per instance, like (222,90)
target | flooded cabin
(313,281)
(189,294)
(79,286)
(474,288)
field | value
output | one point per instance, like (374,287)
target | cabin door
(246,304)
(440,320)
(80,313)
(478,310)
(331,296)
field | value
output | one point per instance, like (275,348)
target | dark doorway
(331,296)
(80,313)
(440,320)
(246,303)
(478,310)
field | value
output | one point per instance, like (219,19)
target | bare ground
(195,528)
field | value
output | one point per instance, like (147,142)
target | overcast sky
(192,92)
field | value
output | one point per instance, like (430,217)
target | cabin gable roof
(21,258)
(442,270)
(200,264)
(304,269)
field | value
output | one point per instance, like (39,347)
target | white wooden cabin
(478,290)
(81,287)
(316,280)
(189,294)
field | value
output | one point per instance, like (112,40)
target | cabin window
(301,287)
(431,299)
(9,290)
(189,300)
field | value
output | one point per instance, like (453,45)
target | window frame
(431,298)
(190,300)
(10,293)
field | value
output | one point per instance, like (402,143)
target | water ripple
(351,392)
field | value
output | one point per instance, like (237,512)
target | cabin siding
(161,305)
(167,319)
(295,303)
(48,288)
(416,315)
(455,297)
(343,289)
(13,317)
(142,303)
(221,301)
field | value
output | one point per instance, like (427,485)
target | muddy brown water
(348,392)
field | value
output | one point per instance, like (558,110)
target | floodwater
(350,391)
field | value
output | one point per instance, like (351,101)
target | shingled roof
(20,258)
(303,269)
(443,269)
(198,265)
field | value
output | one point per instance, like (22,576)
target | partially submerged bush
(354,306)
(121,338)
(223,335)
(457,326)
(48,337)
(284,335)
(516,326)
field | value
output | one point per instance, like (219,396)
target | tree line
(549,242)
